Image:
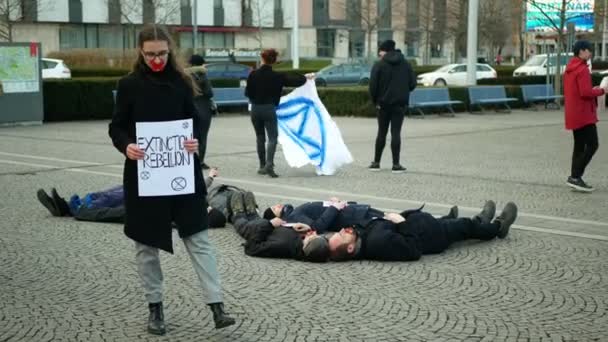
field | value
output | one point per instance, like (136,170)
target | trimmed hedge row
(91,98)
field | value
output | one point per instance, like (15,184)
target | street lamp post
(295,50)
(604,32)
(194,26)
(472,42)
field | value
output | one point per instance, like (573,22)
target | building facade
(336,29)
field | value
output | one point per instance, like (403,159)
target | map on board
(18,70)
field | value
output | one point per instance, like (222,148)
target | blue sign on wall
(544,15)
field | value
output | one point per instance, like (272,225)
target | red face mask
(157,66)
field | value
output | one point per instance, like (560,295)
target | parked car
(54,68)
(343,74)
(454,75)
(228,70)
(537,65)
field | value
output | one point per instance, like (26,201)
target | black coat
(324,219)
(421,233)
(266,241)
(265,86)
(144,96)
(391,80)
(203,102)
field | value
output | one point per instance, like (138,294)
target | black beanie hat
(196,60)
(216,219)
(269,214)
(387,45)
(581,45)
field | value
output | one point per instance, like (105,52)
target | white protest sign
(167,169)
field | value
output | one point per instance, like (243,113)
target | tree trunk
(560,38)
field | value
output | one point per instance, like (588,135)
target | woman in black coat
(203,103)
(159,90)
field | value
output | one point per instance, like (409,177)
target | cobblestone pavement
(63,280)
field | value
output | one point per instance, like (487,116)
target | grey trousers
(203,260)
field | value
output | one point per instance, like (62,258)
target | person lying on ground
(398,237)
(108,205)
(331,215)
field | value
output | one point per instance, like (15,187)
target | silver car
(343,74)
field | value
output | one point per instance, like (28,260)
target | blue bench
(489,95)
(431,98)
(225,97)
(533,93)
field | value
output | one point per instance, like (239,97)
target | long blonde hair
(157,32)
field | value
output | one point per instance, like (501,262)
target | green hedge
(99,72)
(91,98)
(78,99)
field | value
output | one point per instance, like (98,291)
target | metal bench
(225,97)
(533,93)
(431,98)
(489,95)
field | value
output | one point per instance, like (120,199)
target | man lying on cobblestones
(331,215)
(275,238)
(109,205)
(407,236)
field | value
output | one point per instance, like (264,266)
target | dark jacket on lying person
(266,241)
(419,234)
(328,218)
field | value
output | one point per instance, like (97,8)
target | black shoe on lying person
(47,202)
(506,219)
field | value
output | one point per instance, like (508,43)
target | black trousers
(461,229)
(104,214)
(264,120)
(585,146)
(389,116)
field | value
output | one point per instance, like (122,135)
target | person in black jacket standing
(159,90)
(264,88)
(203,103)
(391,81)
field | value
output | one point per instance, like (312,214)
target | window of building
(320,12)
(110,37)
(218,40)
(114,11)
(71,37)
(384,35)
(326,42)
(91,38)
(149,15)
(384,14)
(75,11)
(356,44)
(278,13)
(29,9)
(185,11)
(218,12)
(353,13)
(412,43)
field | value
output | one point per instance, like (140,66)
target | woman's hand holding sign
(134,152)
(191,145)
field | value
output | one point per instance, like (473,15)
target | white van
(538,65)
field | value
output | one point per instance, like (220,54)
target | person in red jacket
(580,99)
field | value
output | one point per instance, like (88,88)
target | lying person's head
(278,210)
(343,245)
(315,247)
(216,218)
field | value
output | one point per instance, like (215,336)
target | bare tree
(369,17)
(258,14)
(557,24)
(494,22)
(456,27)
(12,11)
(151,11)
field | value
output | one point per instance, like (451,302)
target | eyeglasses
(152,55)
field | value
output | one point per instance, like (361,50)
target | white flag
(308,134)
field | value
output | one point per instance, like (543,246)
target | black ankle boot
(156,320)
(220,318)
